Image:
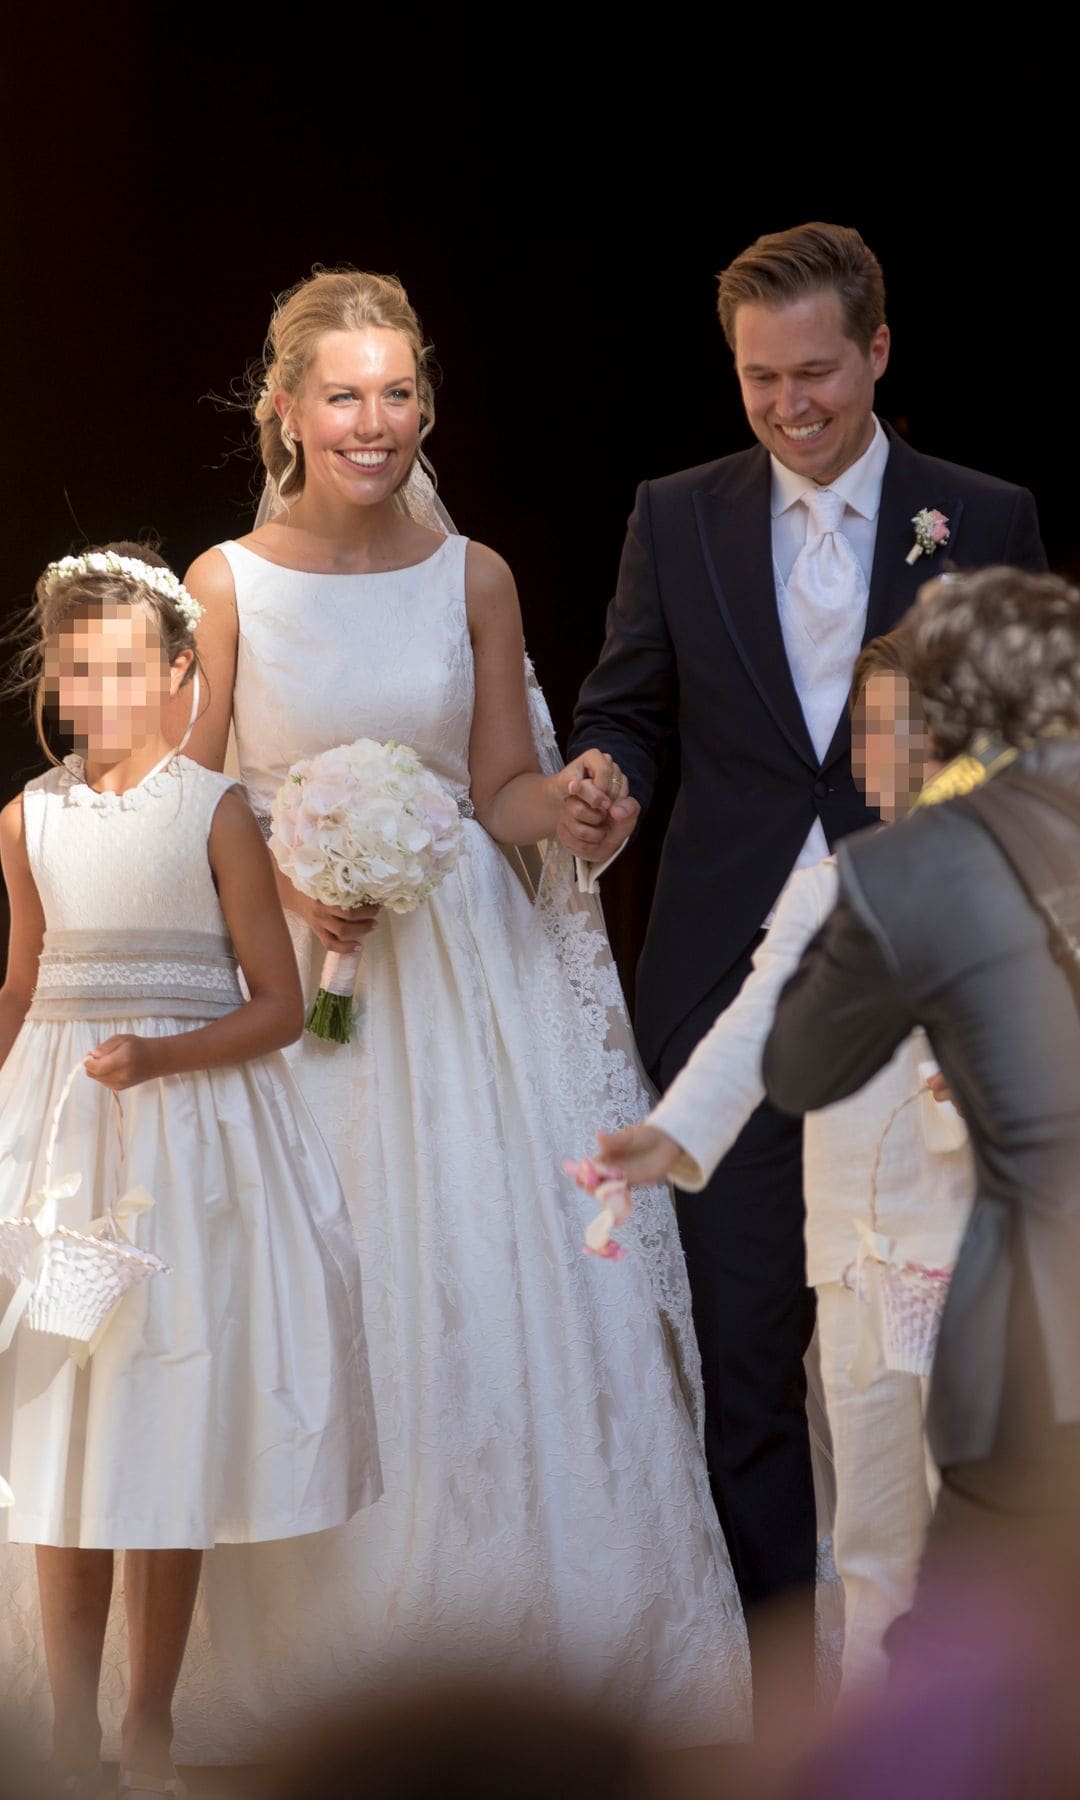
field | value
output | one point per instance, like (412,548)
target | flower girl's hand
(640,1152)
(121,1062)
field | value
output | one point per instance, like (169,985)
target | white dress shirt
(860,489)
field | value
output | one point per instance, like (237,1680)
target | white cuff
(589,873)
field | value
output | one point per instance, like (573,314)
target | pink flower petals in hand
(613,1193)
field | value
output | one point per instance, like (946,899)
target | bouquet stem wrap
(331,1012)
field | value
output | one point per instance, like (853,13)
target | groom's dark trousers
(694,656)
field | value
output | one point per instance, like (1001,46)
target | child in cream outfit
(890,1158)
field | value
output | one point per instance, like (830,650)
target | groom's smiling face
(807,387)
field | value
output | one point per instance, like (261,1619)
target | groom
(746,589)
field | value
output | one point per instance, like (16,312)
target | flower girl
(226,1399)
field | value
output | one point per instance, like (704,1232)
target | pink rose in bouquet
(364,824)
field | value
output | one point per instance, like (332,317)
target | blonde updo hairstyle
(60,600)
(329,300)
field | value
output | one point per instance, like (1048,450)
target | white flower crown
(107,562)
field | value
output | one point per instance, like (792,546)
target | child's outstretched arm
(274,1015)
(27,926)
(711,1099)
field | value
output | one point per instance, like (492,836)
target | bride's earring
(290,439)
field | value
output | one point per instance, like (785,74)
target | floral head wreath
(107,562)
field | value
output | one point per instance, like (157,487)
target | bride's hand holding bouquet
(338,928)
(357,828)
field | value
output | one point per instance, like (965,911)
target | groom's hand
(598,813)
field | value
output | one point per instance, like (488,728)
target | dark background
(557,207)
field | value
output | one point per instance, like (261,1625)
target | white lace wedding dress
(545,1505)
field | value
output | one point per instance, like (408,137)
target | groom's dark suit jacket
(694,651)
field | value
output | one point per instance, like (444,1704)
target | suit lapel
(908,486)
(735,528)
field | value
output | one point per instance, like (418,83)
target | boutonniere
(931,529)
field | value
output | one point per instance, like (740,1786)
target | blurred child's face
(109,679)
(890,745)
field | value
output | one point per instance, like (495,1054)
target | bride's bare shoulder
(210,579)
(485,569)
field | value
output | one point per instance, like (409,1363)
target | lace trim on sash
(135,974)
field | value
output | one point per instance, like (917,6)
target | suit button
(821,788)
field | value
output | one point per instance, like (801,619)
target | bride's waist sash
(135,974)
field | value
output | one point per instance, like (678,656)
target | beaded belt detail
(135,974)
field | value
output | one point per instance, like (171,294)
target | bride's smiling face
(358,416)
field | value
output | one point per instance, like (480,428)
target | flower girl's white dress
(229,1400)
(546,1504)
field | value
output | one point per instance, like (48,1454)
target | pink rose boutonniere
(931,529)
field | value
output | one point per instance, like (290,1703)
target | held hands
(597,813)
(640,1152)
(121,1062)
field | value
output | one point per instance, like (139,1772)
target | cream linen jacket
(921,1195)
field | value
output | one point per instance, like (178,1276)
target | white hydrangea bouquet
(364,824)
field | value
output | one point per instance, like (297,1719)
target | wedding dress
(546,1506)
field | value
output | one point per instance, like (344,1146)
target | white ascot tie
(822,615)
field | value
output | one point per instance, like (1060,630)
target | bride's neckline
(338,574)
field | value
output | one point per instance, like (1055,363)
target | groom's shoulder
(957,476)
(706,478)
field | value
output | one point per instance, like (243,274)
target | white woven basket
(912,1302)
(67,1282)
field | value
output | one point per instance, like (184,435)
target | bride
(546,1505)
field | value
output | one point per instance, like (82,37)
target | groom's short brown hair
(787,265)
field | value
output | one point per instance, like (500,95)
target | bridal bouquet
(362,825)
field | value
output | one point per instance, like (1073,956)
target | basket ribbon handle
(20,1299)
(41,1212)
(873,1247)
(125,1212)
(54,1127)
(42,1208)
